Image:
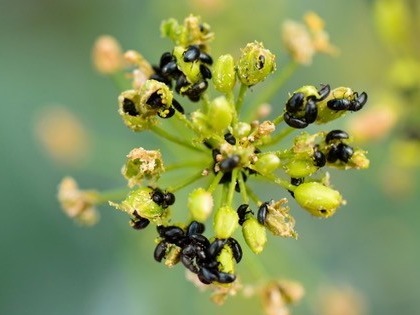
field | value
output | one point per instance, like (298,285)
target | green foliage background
(48,265)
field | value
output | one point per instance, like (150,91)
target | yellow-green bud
(308,90)
(242,129)
(254,234)
(324,113)
(319,200)
(226,260)
(300,167)
(224,76)
(190,69)
(140,201)
(200,204)
(267,163)
(225,222)
(219,114)
(255,64)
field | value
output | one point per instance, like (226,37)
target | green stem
(107,195)
(256,267)
(241,97)
(168,136)
(243,188)
(270,90)
(186,182)
(215,182)
(187,122)
(283,183)
(279,137)
(232,185)
(278,119)
(176,166)
(253,195)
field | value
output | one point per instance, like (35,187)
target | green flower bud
(226,260)
(200,204)
(300,167)
(242,129)
(224,76)
(308,91)
(192,32)
(266,163)
(142,164)
(255,64)
(225,222)
(219,114)
(254,234)
(190,69)
(324,113)
(319,200)
(140,201)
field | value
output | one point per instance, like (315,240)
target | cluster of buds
(232,152)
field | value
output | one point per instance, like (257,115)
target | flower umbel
(227,152)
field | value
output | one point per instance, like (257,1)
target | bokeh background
(368,252)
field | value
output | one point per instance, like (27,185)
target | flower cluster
(231,152)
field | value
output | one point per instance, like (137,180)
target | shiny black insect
(191,54)
(336,134)
(139,223)
(129,107)
(206,58)
(181,81)
(155,100)
(229,163)
(163,199)
(172,234)
(296,181)
(262,213)
(261,62)
(215,247)
(194,91)
(311,111)
(165,59)
(242,212)
(298,123)
(323,92)
(160,251)
(205,72)
(295,102)
(177,106)
(195,228)
(344,152)
(236,249)
(339,104)
(358,102)
(319,158)
(230,138)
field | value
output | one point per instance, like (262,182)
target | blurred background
(366,256)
